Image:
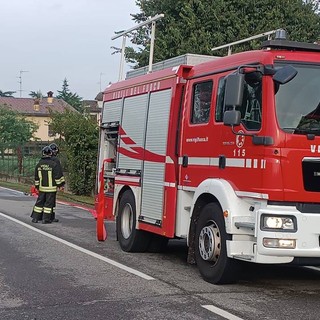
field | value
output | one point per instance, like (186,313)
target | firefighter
(48,178)
(55,150)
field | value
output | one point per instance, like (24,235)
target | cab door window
(201,102)
(251,108)
(220,100)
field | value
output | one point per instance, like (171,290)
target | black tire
(210,247)
(130,239)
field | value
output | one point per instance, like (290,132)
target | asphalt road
(60,271)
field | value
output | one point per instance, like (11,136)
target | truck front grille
(311,174)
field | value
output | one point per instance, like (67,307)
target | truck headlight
(279,243)
(278,223)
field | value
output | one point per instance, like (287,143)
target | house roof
(26,105)
(99,96)
(92,106)
(89,103)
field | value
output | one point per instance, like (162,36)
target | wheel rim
(127,221)
(210,242)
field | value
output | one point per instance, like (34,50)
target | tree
(79,136)
(15,131)
(196,26)
(71,98)
(6,93)
(36,94)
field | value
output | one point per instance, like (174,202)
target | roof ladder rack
(280,34)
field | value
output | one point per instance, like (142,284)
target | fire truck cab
(223,152)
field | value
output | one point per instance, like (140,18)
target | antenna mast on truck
(124,36)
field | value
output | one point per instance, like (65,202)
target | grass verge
(62,196)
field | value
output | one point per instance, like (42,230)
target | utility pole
(20,81)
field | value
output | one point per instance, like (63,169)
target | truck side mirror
(232,118)
(285,74)
(234,90)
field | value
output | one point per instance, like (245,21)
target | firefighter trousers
(44,206)
(53,214)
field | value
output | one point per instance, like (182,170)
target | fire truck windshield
(298,101)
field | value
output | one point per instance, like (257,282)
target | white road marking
(88,252)
(221,312)
(20,192)
(313,268)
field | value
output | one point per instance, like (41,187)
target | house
(99,99)
(37,110)
(93,107)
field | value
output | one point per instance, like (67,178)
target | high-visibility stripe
(48,189)
(37,209)
(237,163)
(256,195)
(187,188)
(127,179)
(47,210)
(230,162)
(50,184)
(169,184)
(59,181)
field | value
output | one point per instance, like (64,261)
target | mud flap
(101,230)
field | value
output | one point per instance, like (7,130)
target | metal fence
(18,164)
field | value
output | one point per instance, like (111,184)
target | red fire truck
(224,153)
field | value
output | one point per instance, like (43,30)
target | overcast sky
(57,39)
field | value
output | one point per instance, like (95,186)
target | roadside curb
(75,205)
(34,192)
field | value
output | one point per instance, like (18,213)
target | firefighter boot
(53,218)
(46,218)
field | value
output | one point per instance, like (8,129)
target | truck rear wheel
(210,247)
(130,239)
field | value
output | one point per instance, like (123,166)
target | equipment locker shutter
(133,124)
(156,142)
(111,111)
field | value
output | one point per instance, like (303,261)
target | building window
(50,131)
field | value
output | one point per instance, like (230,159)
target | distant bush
(79,140)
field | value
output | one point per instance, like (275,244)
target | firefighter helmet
(46,152)
(54,148)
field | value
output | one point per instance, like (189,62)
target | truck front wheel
(210,247)
(130,239)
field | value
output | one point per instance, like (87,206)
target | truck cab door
(200,136)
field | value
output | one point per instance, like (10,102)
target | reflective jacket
(57,161)
(48,175)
